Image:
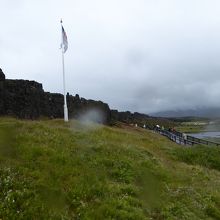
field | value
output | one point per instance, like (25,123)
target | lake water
(207,134)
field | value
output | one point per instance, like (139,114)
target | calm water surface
(207,134)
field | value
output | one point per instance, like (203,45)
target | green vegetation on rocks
(53,170)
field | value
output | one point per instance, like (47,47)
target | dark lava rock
(27,99)
(2,75)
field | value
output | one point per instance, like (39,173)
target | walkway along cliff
(184,139)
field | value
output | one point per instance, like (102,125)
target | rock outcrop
(27,99)
(140,119)
(2,75)
(128,117)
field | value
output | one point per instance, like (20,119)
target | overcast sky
(137,55)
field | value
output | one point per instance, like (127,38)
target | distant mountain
(199,112)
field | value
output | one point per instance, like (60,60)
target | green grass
(52,170)
(191,127)
(202,155)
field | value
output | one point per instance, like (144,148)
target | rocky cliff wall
(128,117)
(27,99)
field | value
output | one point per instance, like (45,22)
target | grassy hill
(52,170)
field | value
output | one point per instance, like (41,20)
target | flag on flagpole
(64,43)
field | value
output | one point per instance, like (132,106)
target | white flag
(64,44)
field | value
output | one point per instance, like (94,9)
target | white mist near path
(90,120)
(92,116)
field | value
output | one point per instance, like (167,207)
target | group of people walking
(172,134)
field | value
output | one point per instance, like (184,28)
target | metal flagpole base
(66,113)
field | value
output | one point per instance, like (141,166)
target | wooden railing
(178,137)
(201,141)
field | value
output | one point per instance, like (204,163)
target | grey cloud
(139,55)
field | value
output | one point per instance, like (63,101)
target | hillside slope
(52,170)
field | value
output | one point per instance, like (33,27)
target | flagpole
(65,109)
